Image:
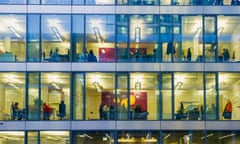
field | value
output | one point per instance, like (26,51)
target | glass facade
(119,38)
(119,71)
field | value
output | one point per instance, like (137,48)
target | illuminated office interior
(119,72)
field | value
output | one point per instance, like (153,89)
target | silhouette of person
(92,57)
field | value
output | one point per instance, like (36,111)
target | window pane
(32,137)
(100,36)
(192,42)
(211,93)
(100,96)
(16,137)
(33,41)
(34,102)
(228,38)
(13,38)
(137,137)
(79,54)
(12,92)
(122,38)
(210,39)
(144,97)
(78,91)
(188,93)
(55,94)
(166,92)
(93,137)
(229,95)
(54,137)
(56,38)
(122,97)
(144,38)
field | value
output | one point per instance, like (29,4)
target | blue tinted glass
(56,2)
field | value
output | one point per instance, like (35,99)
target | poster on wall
(136,98)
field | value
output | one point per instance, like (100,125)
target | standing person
(189,55)
(62,110)
(227,113)
(46,111)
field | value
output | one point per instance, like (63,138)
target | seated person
(92,57)
(139,114)
(17,113)
(47,111)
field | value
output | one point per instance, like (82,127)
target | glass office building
(120,71)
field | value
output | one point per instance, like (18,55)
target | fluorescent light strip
(137,34)
(13,30)
(97,34)
(57,33)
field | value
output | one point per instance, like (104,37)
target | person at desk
(92,57)
(46,111)
(55,55)
(17,112)
(226,55)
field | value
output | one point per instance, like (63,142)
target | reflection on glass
(13,38)
(192,42)
(144,38)
(55,38)
(188,93)
(100,103)
(142,2)
(210,39)
(59,2)
(228,38)
(131,137)
(100,33)
(54,137)
(55,94)
(122,36)
(33,43)
(12,106)
(229,96)
(100,2)
(78,91)
(167,38)
(13,137)
(93,137)
(211,93)
(32,137)
(34,104)
(77,39)
(183,137)
(222,137)
(122,96)
(166,92)
(13,2)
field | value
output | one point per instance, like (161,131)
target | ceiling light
(56,33)
(13,30)
(137,34)
(97,34)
